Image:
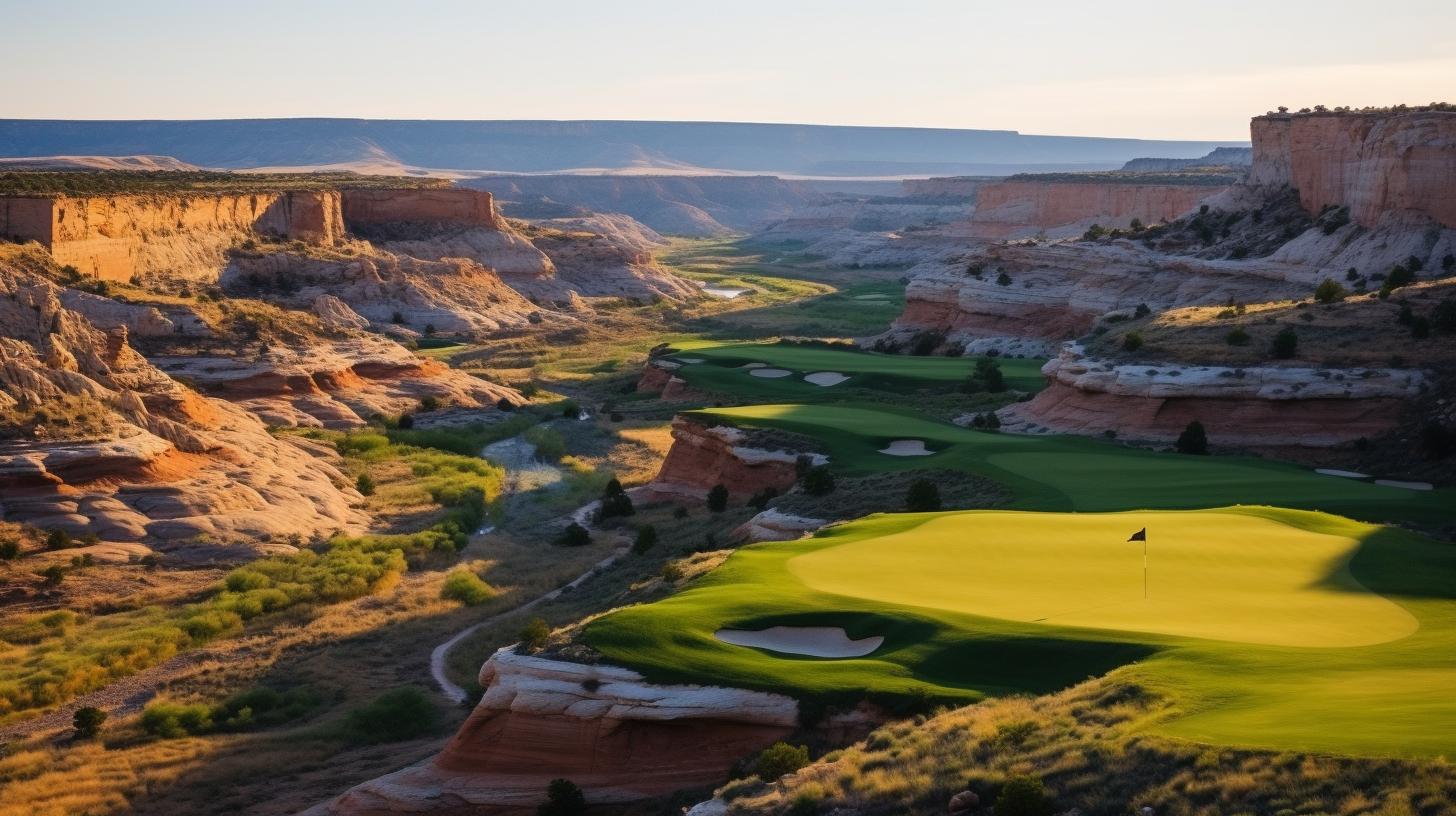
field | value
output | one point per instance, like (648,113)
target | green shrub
(1003,279)
(574,535)
(718,498)
(86,722)
(173,720)
(550,444)
(986,377)
(262,706)
(923,496)
(1285,345)
(466,587)
(780,759)
(646,539)
(1237,337)
(535,634)
(398,714)
(1329,292)
(364,484)
(1132,341)
(53,575)
(563,798)
(58,540)
(1023,796)
(9,549)
(1193,440)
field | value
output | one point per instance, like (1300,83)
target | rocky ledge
(604,727)
(703,456)
(1242,407)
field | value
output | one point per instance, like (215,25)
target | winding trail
(455,693)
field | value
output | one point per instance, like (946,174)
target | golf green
(1269,627)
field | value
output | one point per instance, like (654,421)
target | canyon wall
(1374,163)
(453,206)
(1023,208)
(1244,407)
(702,456)
(115,237)
(617,736)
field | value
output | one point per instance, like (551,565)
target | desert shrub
(364,484)
(1142,310)
(818,481)
(574,535)
(58,540)
(86,722)
(987,376)
(535,634)
(986,421)
(615,502)
(1094,232)
(1285,345)
(569,409)
(9,549)
(398,714)
(1132,341)
(1193,440)
(550,444)
(718,498)
(646,539)
(780,759)
(1003,279)
(173,720)
(1329,292)
(466,587)
(53,575)
(923,496)
(1237,337)
(429,402)
(1023,796)
(563,798)
(262,706)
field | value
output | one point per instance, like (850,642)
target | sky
(1176,70)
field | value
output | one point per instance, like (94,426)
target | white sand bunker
(814,641)
(907,447)
(770,373)
(754,365)
(1406,485)
(825,378)
(1343,474)
(689,360)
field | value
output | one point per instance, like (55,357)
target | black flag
(1140,535)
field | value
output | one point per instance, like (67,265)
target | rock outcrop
(602,255)
(617,736)
(97,440)
(1239,407)
(118,237)
(1024,207)
(773,525)
(703,456)
(1374,163)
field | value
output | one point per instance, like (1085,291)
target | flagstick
(1145,566)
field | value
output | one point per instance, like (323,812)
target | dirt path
(455,693)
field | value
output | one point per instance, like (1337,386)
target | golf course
(1271,627)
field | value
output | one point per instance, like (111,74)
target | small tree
(718,498)
(1132,341)
(615,502)
(1003,279)
(57,540)
(87,722)
(364,484)
(53,575)
(780,759)
(1329,292)
(1286,344)
(819,481)
(1023,796)
(1193,440)
(922,497)
(1237,337)
(535,634)
(646,539)
(574,535)
(563,798)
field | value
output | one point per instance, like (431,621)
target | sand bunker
(1343,474)
(770,373)
(725,292)
(825,378)
(814,641)
(907,447)
(754,365)
(1406,485)
(689,360)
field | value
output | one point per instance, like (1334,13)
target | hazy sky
(1174,70)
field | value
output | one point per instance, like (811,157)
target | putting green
(1223,576)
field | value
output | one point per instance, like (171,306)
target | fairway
(723,368)
(1268,627)
(1224,576)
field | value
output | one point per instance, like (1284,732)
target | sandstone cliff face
(1243,407)
(1373,163)
(101,441)
(603,255)
(119,237)
(603,727)
(1009,210)
(373,208)
(965,187)
(703,456)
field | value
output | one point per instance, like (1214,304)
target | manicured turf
(722,370)
(1271,627)
(1076,473)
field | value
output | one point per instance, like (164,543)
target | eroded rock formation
(1029,206)
(605,728)
(703,456)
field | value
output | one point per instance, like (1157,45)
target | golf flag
(1140,535)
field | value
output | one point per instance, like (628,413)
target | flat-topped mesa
(1374,162)
(1066,204)
(1239,407)
(115,237)
(703,456)
(367,210)
(617,736)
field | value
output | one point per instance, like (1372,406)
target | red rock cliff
(1372,163)
(703,456)
(453,206)
(1023,208)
